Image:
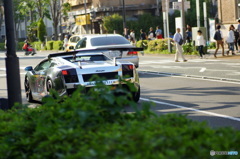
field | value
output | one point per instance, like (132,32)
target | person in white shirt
(177,38)
(65,42)
(132,37)
(231,40)
(200,43)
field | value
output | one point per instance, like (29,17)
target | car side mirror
(71,47)
(29,68)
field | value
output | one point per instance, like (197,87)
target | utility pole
(198,13)
(167,19)
(124,14)
(12,61)
(85,8)
(183,20)
(157,8)
(205,18)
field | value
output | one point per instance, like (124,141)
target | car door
(40,73)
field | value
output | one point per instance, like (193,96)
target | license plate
(115,53)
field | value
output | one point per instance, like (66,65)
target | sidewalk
(20,54)
(225,68)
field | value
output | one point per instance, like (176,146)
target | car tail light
(130,67)
(132,53)
(64,72)
(70,75)
(127,70)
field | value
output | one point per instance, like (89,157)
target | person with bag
(200,43)
(219,40)
(177,38)
(231,40)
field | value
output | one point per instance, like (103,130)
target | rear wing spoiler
(90,50)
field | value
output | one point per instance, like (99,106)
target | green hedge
(158,45)
(94,126)
(57,45)
(2,46)
(18,46)
(142,44)
(49,45)
(37,45)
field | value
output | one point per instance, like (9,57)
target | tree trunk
(55,26)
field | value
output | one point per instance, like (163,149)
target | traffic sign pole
(183,20)
(198,13)
(12,61)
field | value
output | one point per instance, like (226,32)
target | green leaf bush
(94,125)
(41,30)
(49,45)
(143,44)
(2,46)
(37,45)
(57,45)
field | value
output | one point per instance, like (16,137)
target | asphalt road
(214,101)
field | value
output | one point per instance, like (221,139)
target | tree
(41,30)
(43,8)
(113,22)
(58,9)
(19,15)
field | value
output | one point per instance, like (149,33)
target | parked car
(72,41)
(128,52)
(64,72)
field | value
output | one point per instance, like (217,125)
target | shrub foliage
(95,125)
(41,30)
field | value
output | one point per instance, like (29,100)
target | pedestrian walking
(188,34)
(236,35)
(200,43)
(158,33)
(132,37)
(231,40)
(53,37)
(238,28)
(126,34)
(143,35)
(65,42)
(219,40)
(151,34)
(178,39)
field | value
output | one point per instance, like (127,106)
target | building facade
(87,17)
(228,13)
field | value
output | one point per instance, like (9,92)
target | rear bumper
(132,59)
(112,87)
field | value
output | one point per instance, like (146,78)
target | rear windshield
(109,40)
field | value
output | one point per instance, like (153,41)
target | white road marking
(189,77)
(192,109)
(203,69)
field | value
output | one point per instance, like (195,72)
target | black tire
(136,95)
(28,91)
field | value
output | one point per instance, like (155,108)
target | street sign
(165,5)
(178,5)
